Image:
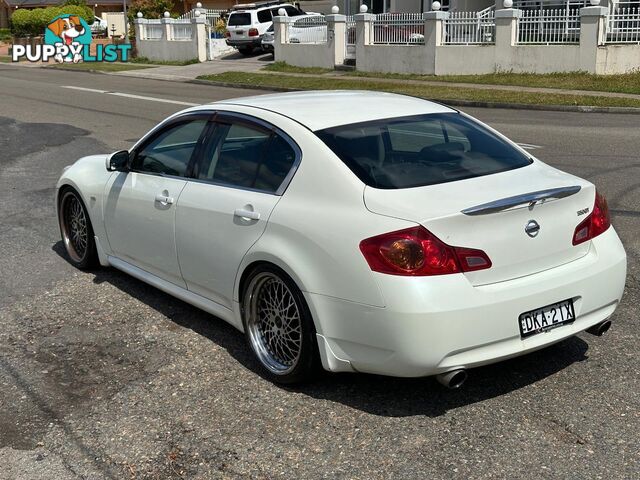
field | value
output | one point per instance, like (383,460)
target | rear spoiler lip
(530,200)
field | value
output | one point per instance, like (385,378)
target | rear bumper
(436,324)
(253,42)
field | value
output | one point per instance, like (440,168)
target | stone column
(364,29)
(167,29)
(200,37)
(592,35)
(281,35)
(433,37)
(336,31)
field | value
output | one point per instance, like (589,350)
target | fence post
(364,30)
(433,37)
(592,35)
(336,31)
(199,37)
(433,28)
(138,25)
(281,35)
(507,28)
(167,28)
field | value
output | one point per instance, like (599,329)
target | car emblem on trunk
(532,228)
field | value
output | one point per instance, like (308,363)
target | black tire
(246,50)
(260,331)
(76,230)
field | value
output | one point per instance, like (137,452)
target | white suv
(248,23)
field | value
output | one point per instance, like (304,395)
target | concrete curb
(454,103)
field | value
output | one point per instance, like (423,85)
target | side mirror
(118,161)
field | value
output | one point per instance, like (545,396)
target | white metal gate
(350,38)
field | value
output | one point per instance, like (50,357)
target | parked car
(247,23)
(308,29)
(268,39)
(99,26)
(405,238)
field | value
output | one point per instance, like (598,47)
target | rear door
(223,211)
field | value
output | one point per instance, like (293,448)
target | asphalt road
(102,376)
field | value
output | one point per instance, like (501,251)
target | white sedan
(357,231)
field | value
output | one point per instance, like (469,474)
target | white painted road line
(130,95)
(529,146)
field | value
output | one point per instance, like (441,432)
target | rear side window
(239,19)
(247,156)
(421,150)
(264,16)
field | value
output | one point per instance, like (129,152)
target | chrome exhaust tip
(453,379)
(600,328)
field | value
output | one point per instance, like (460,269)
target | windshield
(421,150)
(239,19)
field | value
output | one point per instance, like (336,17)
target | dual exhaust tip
(455,378)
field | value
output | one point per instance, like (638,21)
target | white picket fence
(152,30)
(623,26)
(398,29)
(470,28)
(546,27)
(212,15)
(182,29)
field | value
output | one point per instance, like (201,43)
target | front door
(141,204)
(242,172)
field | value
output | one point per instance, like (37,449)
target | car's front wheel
(76,230)
(278,326)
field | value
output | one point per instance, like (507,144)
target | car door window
(247,156)
(170,151)
(264,16)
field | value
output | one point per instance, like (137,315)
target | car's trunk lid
(499,232)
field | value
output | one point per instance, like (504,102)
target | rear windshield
(239,19)
(421,150)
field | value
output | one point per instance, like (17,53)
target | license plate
(546,318)
(239,32)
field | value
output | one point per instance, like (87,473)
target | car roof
(322,109)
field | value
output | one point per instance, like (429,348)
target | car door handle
(242,213)
(164,199)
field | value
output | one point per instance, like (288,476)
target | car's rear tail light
(253,32)
(596,223)
(418,252)
(227,34)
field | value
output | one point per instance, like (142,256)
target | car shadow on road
(373,394)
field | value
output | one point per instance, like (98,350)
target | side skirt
(185,295)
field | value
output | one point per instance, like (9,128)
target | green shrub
(20,22)
(5,34)
(33,22)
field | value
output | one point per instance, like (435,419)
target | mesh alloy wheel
(274,323)
(75,227)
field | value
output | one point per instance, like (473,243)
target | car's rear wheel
(278,326)
(246,50)
(76,230)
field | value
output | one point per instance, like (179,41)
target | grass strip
(623,83)
(433,92)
